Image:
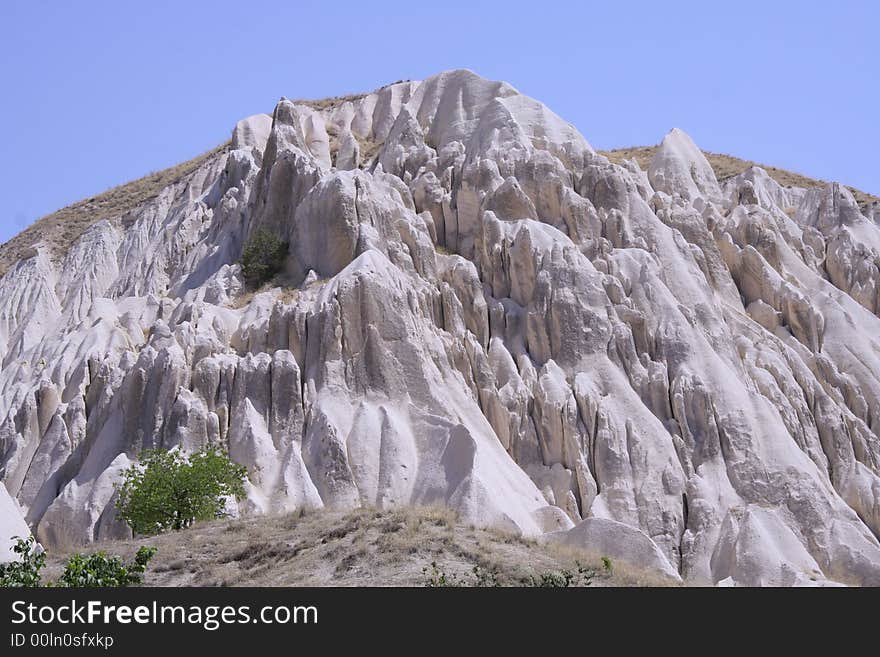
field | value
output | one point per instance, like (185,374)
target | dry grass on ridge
(365,547)
(61,228)
(727,166)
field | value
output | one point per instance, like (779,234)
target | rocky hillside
(57,231)
(478,311)
(727,166)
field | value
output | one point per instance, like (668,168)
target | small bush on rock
(262,258)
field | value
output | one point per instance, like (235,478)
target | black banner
(119,621)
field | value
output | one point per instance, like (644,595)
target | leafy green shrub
(25,571)
(167,490)
(93,570)
(100,570)
(262,258)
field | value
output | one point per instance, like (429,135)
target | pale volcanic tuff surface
(478,311)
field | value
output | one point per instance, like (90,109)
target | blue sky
(97,93)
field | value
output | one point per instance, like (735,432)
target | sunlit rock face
(478,311)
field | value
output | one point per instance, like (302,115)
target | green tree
(262,258)
(100,570)
(167,490)
(26,570)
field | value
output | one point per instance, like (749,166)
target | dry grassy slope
(366,547)
(323,104)
(727,166)
(61,228)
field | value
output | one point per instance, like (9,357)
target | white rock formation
(487,314)
(620,543)
(12,525)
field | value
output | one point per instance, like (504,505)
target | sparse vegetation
(262,258)
(94,570)
(369,148)
(582,576)
(326,104)
(25,572)
(168,490)
(435,577)
(364,547)
(727,166)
